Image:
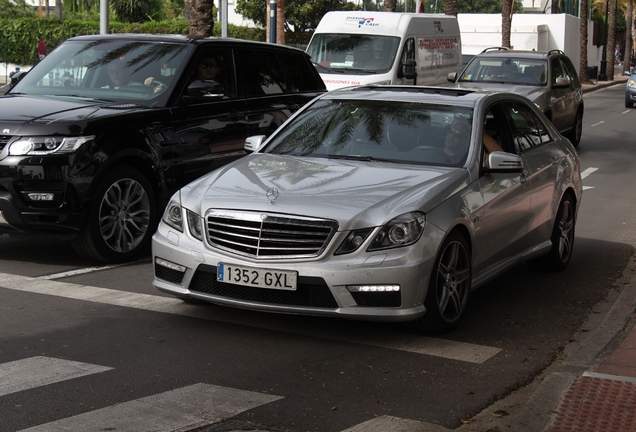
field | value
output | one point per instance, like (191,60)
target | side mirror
(16,77)
(502,162)
(253,143)
(205,89)
(562,82)
(452,77)
(408,69)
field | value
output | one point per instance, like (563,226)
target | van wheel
(121,218)
(448,288)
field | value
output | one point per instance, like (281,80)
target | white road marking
(598,123)
(394,424)
(586,173)
(461,351)
(182,409)
(626,111)
(88,270)
(34,372)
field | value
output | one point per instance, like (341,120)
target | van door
(210,124)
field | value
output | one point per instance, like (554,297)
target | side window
(568,69)
(212,75)
(408,52)
(260,73)
(557,70)
(302,73)
(528,131)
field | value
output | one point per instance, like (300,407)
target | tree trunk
(390,5)
(629,18)
(201,22)
(583,76)
(280,22)
(611,40)
(58,9)
(450,7)
(506,21)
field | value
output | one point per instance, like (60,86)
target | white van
(357,47)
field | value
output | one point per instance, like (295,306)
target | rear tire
(562,239)
(448,288)
(121,219)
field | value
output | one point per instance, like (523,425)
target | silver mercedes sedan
(385,203)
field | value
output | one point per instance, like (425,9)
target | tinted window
(302,74)
(557,70)
(528,130)
(214,66)
(261,73)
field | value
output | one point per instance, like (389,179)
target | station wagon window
(528,130)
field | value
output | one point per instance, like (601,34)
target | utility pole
(602,75)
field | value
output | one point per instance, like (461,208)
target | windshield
(402,132)
(506,70)
(117,70)
(357,54)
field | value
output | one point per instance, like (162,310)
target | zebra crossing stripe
(453,350)
(34,372)
(181,409)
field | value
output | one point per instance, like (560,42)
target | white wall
(541,32)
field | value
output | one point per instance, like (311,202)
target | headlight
(195,224)
(353,241)
(38,146)
(631,83)
(403,230)
(173,215)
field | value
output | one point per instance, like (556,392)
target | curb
(588,88)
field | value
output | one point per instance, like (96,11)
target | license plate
(256,277)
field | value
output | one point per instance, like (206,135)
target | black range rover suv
(98,135)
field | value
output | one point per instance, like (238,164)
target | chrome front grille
(268,235)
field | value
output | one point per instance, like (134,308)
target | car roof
(420,94)
(180,39)
(501,52)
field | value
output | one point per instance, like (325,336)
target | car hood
(25,115)
(354,193)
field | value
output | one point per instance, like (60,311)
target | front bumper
(186,268)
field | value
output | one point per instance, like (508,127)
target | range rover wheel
(562,239)
(448,288)
(121,219)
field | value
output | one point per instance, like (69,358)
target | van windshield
(356,54)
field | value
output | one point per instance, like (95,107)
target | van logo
(438,25)
(367,22)
(6,131)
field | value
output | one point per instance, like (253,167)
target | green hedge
(19,37)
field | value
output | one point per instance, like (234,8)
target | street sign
(41,48)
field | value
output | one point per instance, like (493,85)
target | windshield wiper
(358,158)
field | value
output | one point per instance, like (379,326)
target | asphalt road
(119,349)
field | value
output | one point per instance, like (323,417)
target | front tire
(448,288)
(121,218)
(562,239)
(628,103)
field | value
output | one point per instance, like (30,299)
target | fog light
(170,265)
(373,288)
(40,196)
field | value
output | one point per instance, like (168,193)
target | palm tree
(201,22)
(629,20)
(611,40)
(583,76)
(507,8)
(450,7)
